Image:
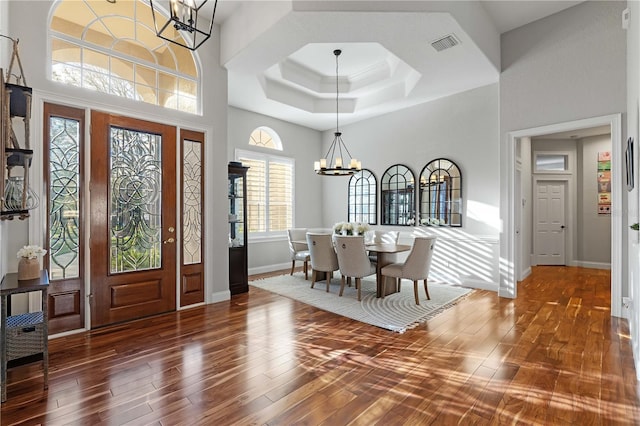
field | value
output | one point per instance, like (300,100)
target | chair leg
(426,291)
(415,291)
(293,266)
(359,286)
(328,276)
(341,286)
(313,277)
(306,270)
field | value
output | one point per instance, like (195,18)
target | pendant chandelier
(183,27)
(338,160)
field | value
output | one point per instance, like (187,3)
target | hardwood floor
(553,356)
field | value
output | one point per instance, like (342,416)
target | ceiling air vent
(445,42)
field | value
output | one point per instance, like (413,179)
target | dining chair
(383,237)
(415,268)
(323,256)
(298,249)
(353,260)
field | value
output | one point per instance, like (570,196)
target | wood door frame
(191,283)
(99,205)
(64,291)
(568,216)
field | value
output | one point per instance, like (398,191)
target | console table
(24,337)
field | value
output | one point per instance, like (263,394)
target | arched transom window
(113,48)
(265,137)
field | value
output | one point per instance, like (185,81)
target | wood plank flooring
(554,356)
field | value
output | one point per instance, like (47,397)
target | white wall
(303,145)
(633,99)
(568,66)
(34,56)
(463,128)
(594,230)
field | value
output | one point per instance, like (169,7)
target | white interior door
(549,241)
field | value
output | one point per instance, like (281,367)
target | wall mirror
(362,206)
(397,189)
(441,194)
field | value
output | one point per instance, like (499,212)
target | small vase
(28,269)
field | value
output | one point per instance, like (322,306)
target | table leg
(384,259)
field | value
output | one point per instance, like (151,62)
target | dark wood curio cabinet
(238,278)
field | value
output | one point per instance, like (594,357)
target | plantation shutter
(256,195)
(280,198)
(269,192)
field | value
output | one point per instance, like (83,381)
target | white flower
(337,228)
(30,252)
(361,228)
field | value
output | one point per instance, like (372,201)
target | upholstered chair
(353,260)
(382,237)
(298,249)
(415,268)
(323,256)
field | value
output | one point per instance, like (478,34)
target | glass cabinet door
(236,210)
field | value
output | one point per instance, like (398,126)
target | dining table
(384,257)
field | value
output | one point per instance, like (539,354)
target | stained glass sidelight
(192,208)
(135,220)
(64,176)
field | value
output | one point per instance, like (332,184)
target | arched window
(269,191)
(113,48)
(265,137)
(362,198)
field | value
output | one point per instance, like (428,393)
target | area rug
(396,312)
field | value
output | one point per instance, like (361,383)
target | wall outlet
(626,302)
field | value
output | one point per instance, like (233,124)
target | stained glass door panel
(192,268)
(63,171)
(133,222)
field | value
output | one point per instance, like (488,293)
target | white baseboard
(481,285)
(220,296)
(524,274)
(592,265)
(271,268)
(68,333)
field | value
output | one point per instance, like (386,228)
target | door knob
(168,241)
(561,226)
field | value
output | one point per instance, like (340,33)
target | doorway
(510,251)
(133,218)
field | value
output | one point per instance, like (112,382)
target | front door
(133,218)
(549,243)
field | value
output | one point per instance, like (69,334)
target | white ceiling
(387,61)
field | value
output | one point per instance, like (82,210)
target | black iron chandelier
(338,160)
(184,26)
